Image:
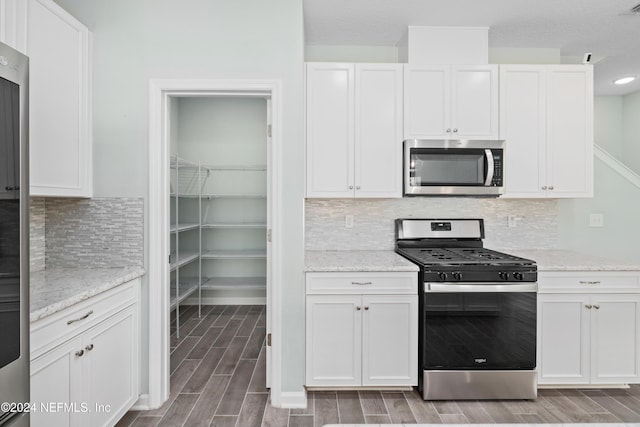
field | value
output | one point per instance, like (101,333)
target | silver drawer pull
(361,283)
(589,282)
(80,318)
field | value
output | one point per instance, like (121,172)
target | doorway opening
(212,211)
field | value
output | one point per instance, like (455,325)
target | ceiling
(605,28)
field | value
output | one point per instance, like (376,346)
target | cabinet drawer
(362,283)
(54,329)
(582,281)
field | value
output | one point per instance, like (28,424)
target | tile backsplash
(36,233)
(85,233)
(373,225)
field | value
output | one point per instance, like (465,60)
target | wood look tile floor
(218,379)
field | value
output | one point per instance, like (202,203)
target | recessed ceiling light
(624,80)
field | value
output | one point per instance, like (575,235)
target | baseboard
(142,404)
(293,399)
(227,301)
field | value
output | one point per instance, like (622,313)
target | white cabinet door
(59,50)
(111,367)
(474,102)
(451,102)
(563,339)
(354,130)
(390,340)
(615,339)
(546,119)
(56,379)
(378,132)
(330,129)
(570,131)
(427,102)
(334,340)
(522,126)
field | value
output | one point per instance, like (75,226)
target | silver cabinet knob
(79,353)
(448,130)
(455,130)
(351,187)
(589,306)
(596,306)
(544,188)
(358,308)
(366,307)
(89,347)
(357,187)
(551,187)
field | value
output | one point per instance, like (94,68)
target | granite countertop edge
(557,260)
(357,260)
(59,288)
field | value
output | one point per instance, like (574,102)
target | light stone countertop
(356,261)
(564,260)
(55,289)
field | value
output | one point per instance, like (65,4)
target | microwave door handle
(490,167)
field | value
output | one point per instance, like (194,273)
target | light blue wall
(608,129)
(616,130)
(138,40)
(631,130)
(619,202)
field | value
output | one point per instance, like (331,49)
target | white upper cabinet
(546,119)
(59,50)
(451,102)
(354,130)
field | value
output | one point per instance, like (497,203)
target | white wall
(137,40)
(631,131)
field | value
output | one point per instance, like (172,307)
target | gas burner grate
(468,256)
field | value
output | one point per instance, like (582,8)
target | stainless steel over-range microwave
(453,167)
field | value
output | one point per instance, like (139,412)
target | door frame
(160,90)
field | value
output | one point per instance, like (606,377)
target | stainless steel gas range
(477,312)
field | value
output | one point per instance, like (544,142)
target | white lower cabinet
(92,377)
(361,339)
(588,336)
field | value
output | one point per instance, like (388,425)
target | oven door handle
(490,167)
(459,287)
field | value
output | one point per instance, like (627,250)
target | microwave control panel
(497,170)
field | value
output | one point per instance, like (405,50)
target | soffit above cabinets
(606,29)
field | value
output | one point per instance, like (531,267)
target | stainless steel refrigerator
(14,238)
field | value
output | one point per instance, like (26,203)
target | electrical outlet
(596,220)
(348,221)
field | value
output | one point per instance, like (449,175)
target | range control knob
(457,275)
(442,275)
(518,276)
(504,275)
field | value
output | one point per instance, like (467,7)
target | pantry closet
(218,200)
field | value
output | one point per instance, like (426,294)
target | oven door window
(475,331)
(430,167)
